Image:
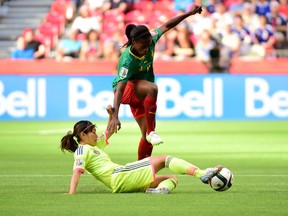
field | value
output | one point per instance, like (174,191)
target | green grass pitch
(35,174)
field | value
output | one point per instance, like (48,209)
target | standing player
(133,177)
(134,83)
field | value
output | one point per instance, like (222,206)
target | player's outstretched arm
(74,181)
(115,125)
(110,113)
(176,20)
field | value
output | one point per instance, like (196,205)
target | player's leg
(148,91)
(163,184)
(145,148)
(138,111)
(181,166)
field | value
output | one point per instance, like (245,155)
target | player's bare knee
(153,90)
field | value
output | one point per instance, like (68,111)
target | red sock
(144,149)
(150,113)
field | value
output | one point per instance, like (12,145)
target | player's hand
(110,110)
(196,9)
(114,125)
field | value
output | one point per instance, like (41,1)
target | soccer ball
(223,180)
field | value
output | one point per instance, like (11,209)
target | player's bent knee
(174,178)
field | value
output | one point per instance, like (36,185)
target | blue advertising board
(180,97)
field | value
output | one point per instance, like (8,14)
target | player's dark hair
(136,32)
(68,142)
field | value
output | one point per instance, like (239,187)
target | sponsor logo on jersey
(123,73)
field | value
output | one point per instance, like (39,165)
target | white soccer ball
(223,180)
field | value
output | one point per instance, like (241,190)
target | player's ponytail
(136,32)
(70,141)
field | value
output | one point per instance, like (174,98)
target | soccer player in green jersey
(134,83)
(138,176)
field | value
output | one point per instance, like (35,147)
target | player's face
(91,137)
(142,46)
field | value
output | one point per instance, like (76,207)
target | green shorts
(133,177)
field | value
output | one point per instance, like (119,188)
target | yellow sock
(180,166)
(199,173)
(168,183)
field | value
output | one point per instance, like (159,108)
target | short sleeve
(79,159)
(123,73)
(102,140)
(156,34)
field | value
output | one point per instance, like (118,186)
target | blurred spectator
(84,22)
(200,23)
(251,20)
(112,46)
(221,18)
(21,52)
(77,3)
(237,7)
(38,48)
(69,48)
(230,41)
(279,22)
(262,7)
(264,39)
(178,40)
(217,63)
(244,34)
(95,5)
(211,5)
(116,5)
(91,48)
(283,7)
(203,46)
(161,49)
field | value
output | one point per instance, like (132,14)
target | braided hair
(136,32)
(70,141)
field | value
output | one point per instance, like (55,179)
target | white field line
(128,125)
(99,127)
(53,131)
(48,175)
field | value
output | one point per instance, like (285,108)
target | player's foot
(157,191)
(210,174)
(154,138)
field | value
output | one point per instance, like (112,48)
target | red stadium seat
(136,16)
(114,16)
(64,7)
(49,30)
(164,6)
(57,19)
(144,5)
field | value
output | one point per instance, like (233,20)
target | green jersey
(95,160)
(131,67)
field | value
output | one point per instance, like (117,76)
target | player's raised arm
(195,8)
(74,181)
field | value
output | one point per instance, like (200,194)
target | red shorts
(129,97)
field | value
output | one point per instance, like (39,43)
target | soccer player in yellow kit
(138,176)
